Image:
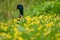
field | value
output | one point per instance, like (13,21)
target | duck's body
(20,7)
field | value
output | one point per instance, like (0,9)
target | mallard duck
(20,8)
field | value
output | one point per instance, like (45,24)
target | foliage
(43,27)
(41,20)
(35,7)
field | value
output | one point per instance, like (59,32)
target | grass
(43,27)
(40,22)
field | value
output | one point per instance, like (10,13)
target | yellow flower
(20,38)
(16,25)
(6,35)
(16,30)
(15,20)
(35,18)
(58,36)
(5,28)
(28,22)
(0,33)
(46,17)
(37,22)
(28,18)
(16,34)
(27,28)
(24,24)
(32,38)
(5,24)
(58,24)
(20,33)
(39,28)
(32,23)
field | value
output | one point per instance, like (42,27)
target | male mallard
(20,7)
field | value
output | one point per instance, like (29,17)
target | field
(40,22)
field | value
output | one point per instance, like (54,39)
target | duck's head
(20,7)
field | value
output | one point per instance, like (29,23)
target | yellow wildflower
(15,20)
(58,24)
(37,22)
(57,35)
(16,25)
(32,38)
(28,18)
(8,36)
(27,28)
(40,17)
(20,38)
(47,33)
(58,38)
(10,21)
(32,23)
(24,24)
(0,33)
(5,28)
(46,17)
(39,28)
(18,19)
(20,33)
(32,29)
(37,34)
(45,30)
(49,24)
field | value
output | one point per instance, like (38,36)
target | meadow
(40,22)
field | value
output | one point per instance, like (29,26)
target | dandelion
(58,35)
(5,28)
(32,29)
(8,36)
(32,38)
(47,33)
(28,18)
(49,24)
(40,17)
(37,34)
(58,24)
(10,21)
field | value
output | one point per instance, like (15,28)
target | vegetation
(41,20)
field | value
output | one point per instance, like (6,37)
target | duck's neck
(21,12)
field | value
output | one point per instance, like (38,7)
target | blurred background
(31,7)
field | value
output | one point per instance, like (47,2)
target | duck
(20,8)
